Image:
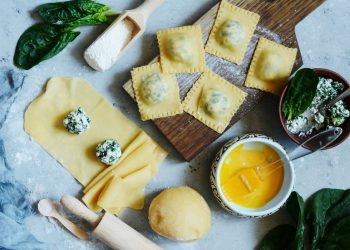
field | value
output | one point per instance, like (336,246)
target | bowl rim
(247,212)
(323,72)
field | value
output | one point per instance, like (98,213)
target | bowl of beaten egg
(252,176)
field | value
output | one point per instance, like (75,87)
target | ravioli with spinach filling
(232,31)
(157,93)
(182,50)
(271,66)
(213,101)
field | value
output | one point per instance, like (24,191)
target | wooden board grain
(278,19)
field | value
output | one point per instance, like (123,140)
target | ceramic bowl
(346,126)
(272,206)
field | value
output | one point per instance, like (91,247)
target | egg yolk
(251,177)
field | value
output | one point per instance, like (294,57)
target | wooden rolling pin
(109,228)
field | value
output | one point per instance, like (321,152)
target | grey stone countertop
(324,38)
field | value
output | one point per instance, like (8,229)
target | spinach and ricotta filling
(77,121)
(108,152)
(154,88)
(230,34)
(327,90)
(215,103)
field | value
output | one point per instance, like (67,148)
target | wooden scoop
(138,17)
(47,208)
(110,229)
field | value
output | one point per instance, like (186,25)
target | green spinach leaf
(300,93)
(279,238)
(337,235)
(72,11)
(41,42)
(325,206)
(295,207)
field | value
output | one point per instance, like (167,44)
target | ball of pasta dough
(180,213)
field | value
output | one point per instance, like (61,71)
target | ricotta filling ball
(77,121)
(108,152)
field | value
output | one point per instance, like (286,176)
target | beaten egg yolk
(246,186)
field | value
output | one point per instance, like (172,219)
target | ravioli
(213,101)
(232,32)
(271,66)
(157,94)
(182,50)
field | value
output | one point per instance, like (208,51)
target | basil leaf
(41,42)
(70,11)
(300,93)
(295,207)
(337,236)
(324,206)
(279,238)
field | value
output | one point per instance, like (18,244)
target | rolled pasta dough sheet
(44,123)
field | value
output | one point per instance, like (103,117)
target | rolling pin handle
(79,209)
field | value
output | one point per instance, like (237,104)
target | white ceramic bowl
(272,206)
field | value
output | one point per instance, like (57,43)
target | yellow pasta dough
(182,50)
(157,94)
(232,32)
(271,66)
(213,101)
(44,123)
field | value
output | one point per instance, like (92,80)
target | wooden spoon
(47,208)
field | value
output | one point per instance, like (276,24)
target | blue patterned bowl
(272,206)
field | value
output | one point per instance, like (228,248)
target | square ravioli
(213,101)
(182,50)
(157,94)
(232,32)
(271,66)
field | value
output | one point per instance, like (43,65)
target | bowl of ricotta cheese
(330,85)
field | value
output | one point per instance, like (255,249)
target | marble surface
(323,38)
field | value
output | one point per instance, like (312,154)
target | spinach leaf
(71,11)
(300,93)
(341,209)
(325,205)
(337,236)
(279,238)
(94,19)
(295,207)
(41,42)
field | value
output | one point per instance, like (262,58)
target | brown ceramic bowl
(346,126)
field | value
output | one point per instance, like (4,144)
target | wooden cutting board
(278,19)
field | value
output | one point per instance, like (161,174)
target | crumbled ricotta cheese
(104,52)
(327,90)
(77,121)
(108,152)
